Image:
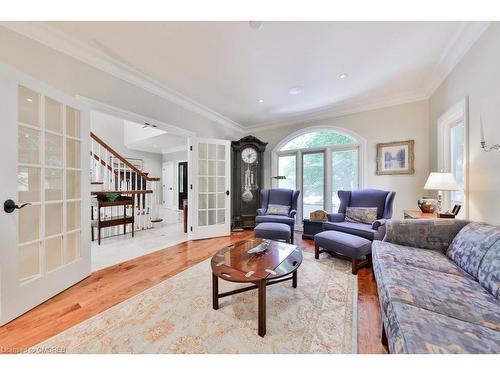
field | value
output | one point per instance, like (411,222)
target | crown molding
(339,111)
(458,46)
(92,56)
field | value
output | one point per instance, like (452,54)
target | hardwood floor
(110,286)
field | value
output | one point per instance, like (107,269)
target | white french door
(209,180)
(45,244)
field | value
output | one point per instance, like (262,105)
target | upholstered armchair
(380,199)
(277,198)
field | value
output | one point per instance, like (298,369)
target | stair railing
(118,175)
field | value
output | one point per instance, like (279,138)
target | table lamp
(441,181)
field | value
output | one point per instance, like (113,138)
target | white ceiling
(228,66)
(160,144)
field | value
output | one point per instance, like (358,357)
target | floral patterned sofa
(438,283)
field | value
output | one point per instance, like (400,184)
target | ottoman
(358,249)
(273,231)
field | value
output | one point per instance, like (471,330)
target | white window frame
(456,114)
(360,145)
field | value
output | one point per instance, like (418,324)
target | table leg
(262,307)
(215,292)
(294,279)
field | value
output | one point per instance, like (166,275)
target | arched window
(318,163)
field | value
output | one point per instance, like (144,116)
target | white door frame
(168,182)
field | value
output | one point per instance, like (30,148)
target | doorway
(182,178)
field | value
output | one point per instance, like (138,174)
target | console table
(112,221)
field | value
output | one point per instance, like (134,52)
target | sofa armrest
(379,226)
(292,213)
(423,233)
(336,217)
(261,211)
(378,223)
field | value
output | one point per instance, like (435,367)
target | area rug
(176,316)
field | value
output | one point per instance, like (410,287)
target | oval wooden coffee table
(236,264)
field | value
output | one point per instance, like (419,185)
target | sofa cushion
(458,297)
(274,219)
(412,329)
(277,209)
(364,215)
(413,256)
(489,271)
(422,233)
(471,244)
(357,229)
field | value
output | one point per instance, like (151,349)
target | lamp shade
(441,181)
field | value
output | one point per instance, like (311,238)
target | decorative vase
(427,205)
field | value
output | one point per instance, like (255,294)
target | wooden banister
(122,159)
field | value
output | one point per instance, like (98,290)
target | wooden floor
(110,286)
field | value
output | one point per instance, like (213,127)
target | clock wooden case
(248,177)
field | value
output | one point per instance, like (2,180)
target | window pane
(318,139)
(287,168)
(313,182)
(344,173)
(458,162)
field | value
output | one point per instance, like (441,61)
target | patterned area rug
(176,316)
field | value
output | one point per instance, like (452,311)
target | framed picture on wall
(395,158)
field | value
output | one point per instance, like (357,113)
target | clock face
(249,155)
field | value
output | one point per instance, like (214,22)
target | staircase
(112,173)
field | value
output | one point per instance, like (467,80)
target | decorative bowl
(427,205)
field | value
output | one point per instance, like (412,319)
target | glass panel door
(344,174)
(43,253)
(210,183)
(313,182)
(287,167)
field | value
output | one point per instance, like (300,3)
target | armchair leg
(316,251)
(354,266)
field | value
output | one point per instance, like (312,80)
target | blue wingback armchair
(285,197)
(381,199)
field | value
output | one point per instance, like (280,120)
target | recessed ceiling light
(295,90)
(261,100)
(343,76)
(29,99)
(256,25)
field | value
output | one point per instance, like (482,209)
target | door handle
(227,192)
(9,206)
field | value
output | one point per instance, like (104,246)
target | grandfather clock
(248,177)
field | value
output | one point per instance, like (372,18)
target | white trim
(98,59)
(457,47)
(459,112)
(95,105)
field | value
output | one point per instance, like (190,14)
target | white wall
(477,76)
(77,78)
(172,181)
(110,129)
(397,123)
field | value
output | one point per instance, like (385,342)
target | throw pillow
(277,209)
(365,215)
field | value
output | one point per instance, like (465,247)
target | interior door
(44,160)
(168,184)
(209,188)
(182,183)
